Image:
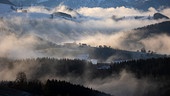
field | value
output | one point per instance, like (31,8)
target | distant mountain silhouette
(135,36)
(139,4)
(160,16)
(6,2)
(156,16)
(160,28)
(61,14)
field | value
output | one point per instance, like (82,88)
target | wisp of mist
(93,26)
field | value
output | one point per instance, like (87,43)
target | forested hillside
(50,88)
(154,70)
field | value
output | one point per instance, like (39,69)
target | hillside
(152,37)
(155,29)
(150,31)
(50,88)
(150,77)
(84,48)
(12,92)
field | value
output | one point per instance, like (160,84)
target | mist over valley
(99,47)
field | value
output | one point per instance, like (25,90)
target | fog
(17,48)
(166,12)
(123,84)
(119,11)
(93,26)
(126,84)
(159,43)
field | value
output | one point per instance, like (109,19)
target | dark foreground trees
(50,88)
(156,70)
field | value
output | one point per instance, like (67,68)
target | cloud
(128,40)
(166,12)
(94,27)
(17,48)
(119,11)
(18,41)
(122,84)
(158,43)
(38,9)
(125,85)
(113,40)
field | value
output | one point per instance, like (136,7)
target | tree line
(49,88)
(154,69)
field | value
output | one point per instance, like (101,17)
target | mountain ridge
(6,2)
(159,28)
(139,4)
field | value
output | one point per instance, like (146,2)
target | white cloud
(96,27)
(166,12)
(159,44)
(16,48)
(119,11)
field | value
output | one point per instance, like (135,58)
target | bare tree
(21,77)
